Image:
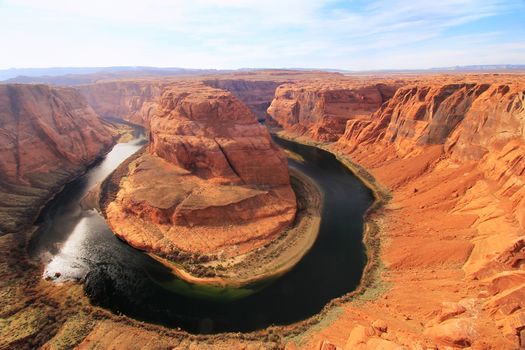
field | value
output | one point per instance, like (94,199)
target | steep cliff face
(416,116)
(134,101)
(320,110)
(210,182)
(49,135)
(453,155)
(452,152)
(478,122)
(256,94)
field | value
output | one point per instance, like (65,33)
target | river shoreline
(122,131)
(371,285)
(289,247)
(271,335)
(40,203)
(265,263)
(371,281)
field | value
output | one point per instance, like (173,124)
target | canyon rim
(443,154)
(361,185)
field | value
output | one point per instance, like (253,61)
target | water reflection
(78,244)
(68,233)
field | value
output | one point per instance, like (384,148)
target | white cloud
(234,33)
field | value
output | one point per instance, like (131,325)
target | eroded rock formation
(449,150)
(211,181)
(48,136)
(134,101)
(452,153)
(321,110)
(256,94)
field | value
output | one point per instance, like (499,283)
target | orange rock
(326,345)
(458,332)
(359,337)
(255,94)
(380,326)
(134,101)
(515,324)
(451,151)
(382,344)
(505,280)
(321,110)
(212,181)
(450,310)
(49,136)
(364,338)
(212,134)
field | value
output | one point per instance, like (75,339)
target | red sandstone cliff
(320,110)
(451,238)
(256,94)
(211,182)
(134,101)
(453,155)
(48,135)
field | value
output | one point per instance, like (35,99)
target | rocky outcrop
(48,136)
(448,150)
(416,116)
(210,182)
(321,110)
(133,101)
(478,125)
(451,151)
(256,94)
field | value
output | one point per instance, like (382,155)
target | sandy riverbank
(264,263)
(100,323)
(274,259)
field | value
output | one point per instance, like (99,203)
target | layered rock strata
(256,94)
(452,155)
(210,183)
(134,101)
(448,279)
(320,110)
(48,136)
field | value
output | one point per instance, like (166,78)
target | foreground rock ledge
(210,189)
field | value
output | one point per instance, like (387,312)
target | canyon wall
(452,155)
(480,125)
(134,101)
(48,136)
(256,94)
(451,238)
(320,110)
(211,181)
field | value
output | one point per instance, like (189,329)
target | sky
(230,34)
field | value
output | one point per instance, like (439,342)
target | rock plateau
(211,181)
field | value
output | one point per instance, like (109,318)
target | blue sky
(358,35)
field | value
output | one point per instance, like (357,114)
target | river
(76,244)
